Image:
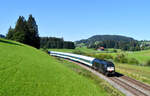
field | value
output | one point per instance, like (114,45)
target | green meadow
(141,73)
(141,56)
(26,71)
(137,72)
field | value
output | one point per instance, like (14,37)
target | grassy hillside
(25,71)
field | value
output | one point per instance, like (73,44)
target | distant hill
(97,38)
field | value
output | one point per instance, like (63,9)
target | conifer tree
(10,33)
(21,31)
(34,39)
(25,32)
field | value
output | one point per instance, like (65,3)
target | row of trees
(53,42)
(124,45)
(25,32)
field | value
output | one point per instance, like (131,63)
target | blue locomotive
(103,66)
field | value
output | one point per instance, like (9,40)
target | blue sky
(80,19)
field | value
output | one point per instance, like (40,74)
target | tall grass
(148,63)
(140,73)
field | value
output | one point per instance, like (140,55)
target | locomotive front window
(110,64)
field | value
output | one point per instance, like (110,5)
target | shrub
(124,60)
(133,61)
(148,63)
(115,51)
(89,54)
(79,52)
(45,50)
(105,49)
(103,56)
(121,58)
(116,59)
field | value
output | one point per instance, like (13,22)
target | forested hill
(96,38)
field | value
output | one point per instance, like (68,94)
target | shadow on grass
(10,43)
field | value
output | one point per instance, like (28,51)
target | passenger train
(103,66)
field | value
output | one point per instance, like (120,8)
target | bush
(148,63)
(105,49)
(116,59)
(133,61)
(79,52)
(103,56)
(121,58)
(45,50)
(115,51)
(124,60)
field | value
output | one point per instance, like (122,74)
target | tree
(25,32)
(21,31)
(69,45)
(34,39)
(10,33)
(53,42)
(137,48)
(116,45)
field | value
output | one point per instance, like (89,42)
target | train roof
(104,62)
(76,55)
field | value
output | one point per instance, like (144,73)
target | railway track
(126,85)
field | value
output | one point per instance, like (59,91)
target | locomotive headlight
(110,68)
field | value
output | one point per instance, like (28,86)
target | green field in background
(141,56)
(141,73)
